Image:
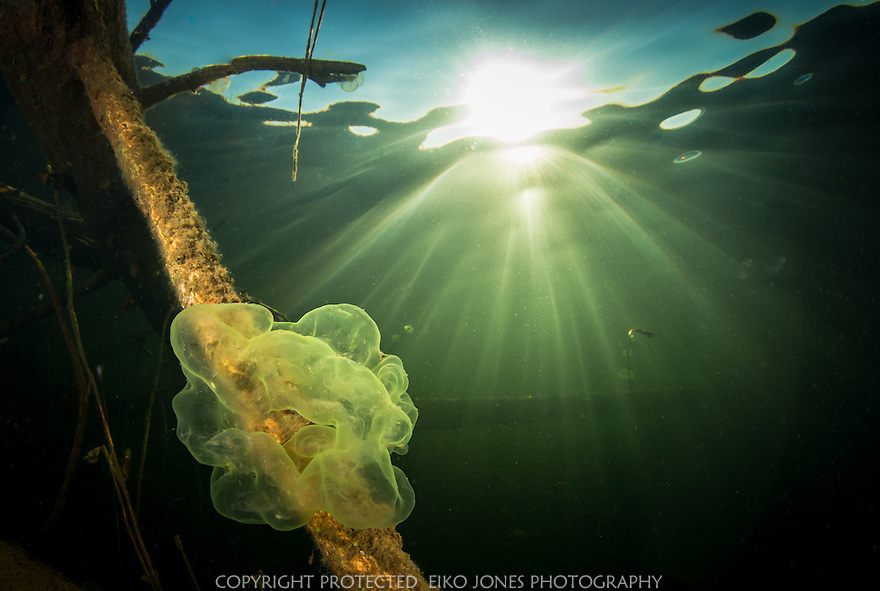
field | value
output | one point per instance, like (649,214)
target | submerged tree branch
(322,72)
(142,31)
(192,262)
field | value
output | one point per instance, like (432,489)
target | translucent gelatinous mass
(245,373)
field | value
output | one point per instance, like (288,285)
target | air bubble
(687,157)
(350,83)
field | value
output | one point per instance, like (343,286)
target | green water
(734,448)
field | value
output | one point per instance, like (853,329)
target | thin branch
(322,72)
(142,31)
(18,198)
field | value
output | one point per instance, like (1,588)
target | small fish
(647,333)
(256,97)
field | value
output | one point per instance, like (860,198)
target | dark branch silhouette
(142,31)
(322,72)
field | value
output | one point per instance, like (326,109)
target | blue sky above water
(419,55)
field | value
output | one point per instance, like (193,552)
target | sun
(512,97)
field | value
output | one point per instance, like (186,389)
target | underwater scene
(439,294)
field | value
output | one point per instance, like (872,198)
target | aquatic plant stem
(192,575)
(310,49)
(129,517)
(78,374)
(149,415)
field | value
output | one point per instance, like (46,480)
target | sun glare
(513,97)
(520,156)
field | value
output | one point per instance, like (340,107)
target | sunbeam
(550,260)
